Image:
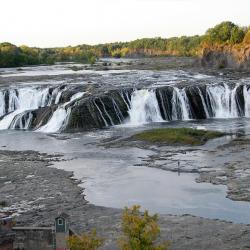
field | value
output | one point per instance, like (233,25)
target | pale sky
(51,23)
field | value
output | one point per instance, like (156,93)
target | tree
(9,55)
(225,32)
(140,231)
(237,35)
(85,242)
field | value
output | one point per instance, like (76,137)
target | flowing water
(60,116)
(135,102)
(144,108)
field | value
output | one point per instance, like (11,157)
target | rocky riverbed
(35,192)
(222,161)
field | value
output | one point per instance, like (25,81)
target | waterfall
(203,103)
(59,118)
(21,121)
(100,112)
(117,111)
(2,103)
(58,96)
(180,105)
(246,93)
(20,107)
(22,100)
(223,101)
(105,111)
(13,100)
(144,108)
(127,102)
(163,106)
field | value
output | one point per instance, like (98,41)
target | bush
(140,231)
(85,242)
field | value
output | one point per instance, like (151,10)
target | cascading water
(223,101)
(2,103)
(144,108)
(22,100)
(107,114)
(118,111)
(13,100)
(100,112)
(246,93)
(58,120)
(22,121)
(141,107)
(204,103)
(180,105)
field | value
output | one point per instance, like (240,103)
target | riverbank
(35,192)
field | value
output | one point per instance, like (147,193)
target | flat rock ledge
(36,192)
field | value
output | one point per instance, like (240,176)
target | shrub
(140,231)
(85,242)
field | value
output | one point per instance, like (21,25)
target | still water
(111,179)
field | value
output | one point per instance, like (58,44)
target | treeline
(225,33)
(13,56)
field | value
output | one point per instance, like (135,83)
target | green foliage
(225,32)
(9,55)
(13,56)
(186,136)
(140,231)
(85,242)
(237,35)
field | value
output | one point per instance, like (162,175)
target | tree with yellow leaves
(88,241)
(140,231)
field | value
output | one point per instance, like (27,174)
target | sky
(54,23)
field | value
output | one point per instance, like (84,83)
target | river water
(113,177)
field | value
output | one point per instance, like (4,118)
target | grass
(179,136)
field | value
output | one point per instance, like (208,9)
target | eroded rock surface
(37,192)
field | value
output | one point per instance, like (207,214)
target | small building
(7,236)
(62,231)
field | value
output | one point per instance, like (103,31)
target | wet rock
(48,190)
(99,111)
(194,97)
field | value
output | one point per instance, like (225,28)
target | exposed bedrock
(79,108)
(100,111)
(223,56)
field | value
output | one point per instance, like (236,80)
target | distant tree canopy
(13,56)
(223,33)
